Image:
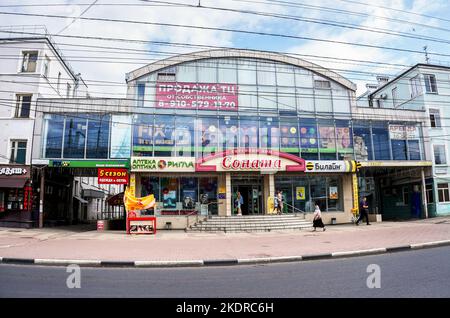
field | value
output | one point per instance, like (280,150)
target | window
(443,192)
(439,155)
(54,127)
(68,90)
(435,118)
(322,84)
(429,193)
(23,105)
(74,137)
(416,87)
(140,94)
(394,96)
(18,151)
(58,83)
(97,136)
(46,66)
(430,83)
(380,138)
(29,61)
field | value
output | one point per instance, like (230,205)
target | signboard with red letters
(112,176)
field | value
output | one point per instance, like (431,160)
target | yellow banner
(133,203)
(355,194)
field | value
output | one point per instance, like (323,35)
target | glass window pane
(266,73)
(267,97)
(227,71)
(150,185)
(186,72)
(344,139)
(98,136)
(209,136)
(327,140)
(380,137)
(163,138)
(169,192)
(207,71)
(318,190)
(189,191)
(229,132)
(285,75)
(54,136)
(248,133)
(143,135)
(414,150)
(305,100)
(208,193)
(246,72)
(286,98)
(303,78)
(341,101)
(362,141)
(184,136)
(308,139)
(74,137)
(269,133)
(323,100)
(247,97)
(399,149)
(289,136)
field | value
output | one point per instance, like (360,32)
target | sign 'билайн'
(112,176)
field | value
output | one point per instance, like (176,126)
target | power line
(212,29)
(73,21)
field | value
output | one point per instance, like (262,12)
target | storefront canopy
(116,200)
(12,182)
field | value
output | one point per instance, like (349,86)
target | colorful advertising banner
(333,194)
(120,136)
(206,96)
(308,138)
(300,193)
(112,176)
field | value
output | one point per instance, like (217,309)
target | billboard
(207,96)
(120,136)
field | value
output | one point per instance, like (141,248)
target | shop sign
(394,163)
(402,132)
(355,194)
(112,176)
(163,164)
(13,171)
(143,226)
(330,166)
(89,163)
(253,159)
(206,96)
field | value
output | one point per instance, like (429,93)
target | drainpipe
(424,194)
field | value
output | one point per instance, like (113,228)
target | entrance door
(251,190)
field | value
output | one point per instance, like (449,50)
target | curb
(221,262)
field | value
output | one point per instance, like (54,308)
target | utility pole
(427,59)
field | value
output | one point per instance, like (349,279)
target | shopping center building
(210,124)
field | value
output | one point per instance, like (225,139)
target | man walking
(363,211)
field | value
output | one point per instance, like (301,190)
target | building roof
(226,53)
(405,72)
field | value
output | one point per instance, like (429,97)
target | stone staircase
(251,223)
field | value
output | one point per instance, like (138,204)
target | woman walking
(317,221)
(239,202)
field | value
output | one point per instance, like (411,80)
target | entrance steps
(251,223)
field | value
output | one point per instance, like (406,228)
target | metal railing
(295,210)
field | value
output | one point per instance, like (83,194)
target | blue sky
(369,15)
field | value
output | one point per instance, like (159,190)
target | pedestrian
(317,220)
(363,211)
(275,202)
(239,202)
(280,202)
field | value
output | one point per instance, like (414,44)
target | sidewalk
(179,246)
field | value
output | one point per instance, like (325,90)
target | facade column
(41,199)
(269,190)
(223,198)
(424,194)
(229,195)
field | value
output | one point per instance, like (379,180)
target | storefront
(16,196)
(186,186)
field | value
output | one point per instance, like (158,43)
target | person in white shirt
(317,219)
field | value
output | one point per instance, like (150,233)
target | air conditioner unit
(383,96)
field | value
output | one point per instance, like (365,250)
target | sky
(299,25)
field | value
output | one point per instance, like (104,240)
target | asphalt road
(419,273)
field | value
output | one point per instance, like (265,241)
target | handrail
(294,208)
